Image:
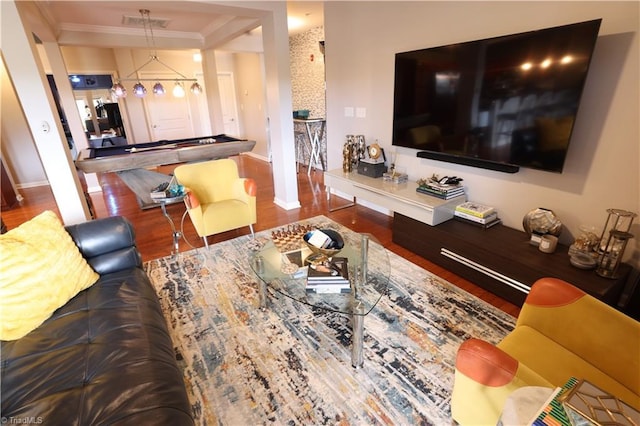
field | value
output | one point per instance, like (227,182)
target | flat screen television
(499,103)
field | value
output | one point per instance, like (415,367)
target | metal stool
(301,148)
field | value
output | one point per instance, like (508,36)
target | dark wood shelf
(502,252)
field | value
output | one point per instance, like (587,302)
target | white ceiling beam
(92,39)
(230,31)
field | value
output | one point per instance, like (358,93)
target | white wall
(224,61)
(87,60)
(602,168)
(251,101)
(18,149)
(307,75)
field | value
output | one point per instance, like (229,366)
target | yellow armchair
(561,332)
(218,199)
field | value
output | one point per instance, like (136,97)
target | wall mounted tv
(499,103)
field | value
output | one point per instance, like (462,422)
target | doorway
(169,117)
(227,88)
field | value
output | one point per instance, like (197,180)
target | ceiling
(181,24)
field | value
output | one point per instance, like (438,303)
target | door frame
(233,101)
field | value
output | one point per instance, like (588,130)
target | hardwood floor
(153,231)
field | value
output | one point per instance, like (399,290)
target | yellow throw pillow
(41,269)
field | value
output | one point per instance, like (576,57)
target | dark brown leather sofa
(104,358)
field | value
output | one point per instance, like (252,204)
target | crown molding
(131,32)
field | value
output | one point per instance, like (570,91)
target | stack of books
(477,214)
(159,192)
(166,190)
(333,278)
(444,191)
(553,412)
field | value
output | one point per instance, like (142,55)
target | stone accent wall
(307,77)
(308,86)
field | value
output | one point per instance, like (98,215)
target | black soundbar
(468,161)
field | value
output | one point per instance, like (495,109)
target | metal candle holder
(618,220)
(613,241)
(610,259)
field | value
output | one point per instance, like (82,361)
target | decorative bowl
(541,221)
(320,254)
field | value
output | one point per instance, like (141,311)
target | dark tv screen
(509,100)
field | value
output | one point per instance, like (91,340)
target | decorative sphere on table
(541,221)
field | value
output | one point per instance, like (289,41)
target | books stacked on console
(166,190)
(444,191)
(477,214)
(332,277)
(159,192)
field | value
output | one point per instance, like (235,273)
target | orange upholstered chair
(561,332)
(218,199)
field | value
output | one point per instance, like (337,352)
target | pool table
(149,154)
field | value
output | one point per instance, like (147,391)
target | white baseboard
(287,206)
(90,189)
(259,157)
(32,184)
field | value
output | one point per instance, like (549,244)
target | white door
(226,85)
(169,117)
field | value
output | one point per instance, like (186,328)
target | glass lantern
(611,256)
(618,220)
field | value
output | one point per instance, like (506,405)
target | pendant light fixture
(158,89)
(139,90)
(119,90)
(196,89)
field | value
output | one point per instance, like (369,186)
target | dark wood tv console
(499,259)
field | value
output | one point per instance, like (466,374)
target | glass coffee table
(368,266)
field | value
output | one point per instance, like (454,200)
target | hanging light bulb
(196,89)
(178,90)
(139,90)
(158,89)
(119,91)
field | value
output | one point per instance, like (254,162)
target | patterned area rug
(291,363)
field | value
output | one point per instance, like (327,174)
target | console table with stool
(312,135)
